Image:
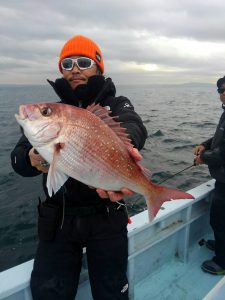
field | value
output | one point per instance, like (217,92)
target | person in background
(78,216)
(212,153)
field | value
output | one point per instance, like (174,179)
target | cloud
(142,41)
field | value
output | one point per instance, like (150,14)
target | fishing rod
(189,167)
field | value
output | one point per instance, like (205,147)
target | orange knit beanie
(82,46)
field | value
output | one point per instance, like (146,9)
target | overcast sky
(143,41)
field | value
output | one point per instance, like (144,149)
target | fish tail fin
(157,195)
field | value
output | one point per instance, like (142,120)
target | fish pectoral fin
(55,180)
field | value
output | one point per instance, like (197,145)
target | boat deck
(177,280)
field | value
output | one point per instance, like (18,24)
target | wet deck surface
(179,281)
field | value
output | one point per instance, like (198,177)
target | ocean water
(177,118)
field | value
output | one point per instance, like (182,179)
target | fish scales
(101,142)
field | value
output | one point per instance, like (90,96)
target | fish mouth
(25,113)
(22,115)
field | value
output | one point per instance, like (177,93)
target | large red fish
(90,146)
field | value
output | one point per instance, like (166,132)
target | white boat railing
(180,222)
(175,229)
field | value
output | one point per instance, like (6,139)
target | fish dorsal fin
(103,114)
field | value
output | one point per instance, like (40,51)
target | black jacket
(98,90)
(214,155)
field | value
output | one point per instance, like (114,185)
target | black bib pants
(58,261)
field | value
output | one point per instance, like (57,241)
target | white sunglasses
(82,63)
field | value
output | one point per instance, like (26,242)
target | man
(78,216)
(212,153)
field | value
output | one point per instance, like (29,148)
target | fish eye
(46,111)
